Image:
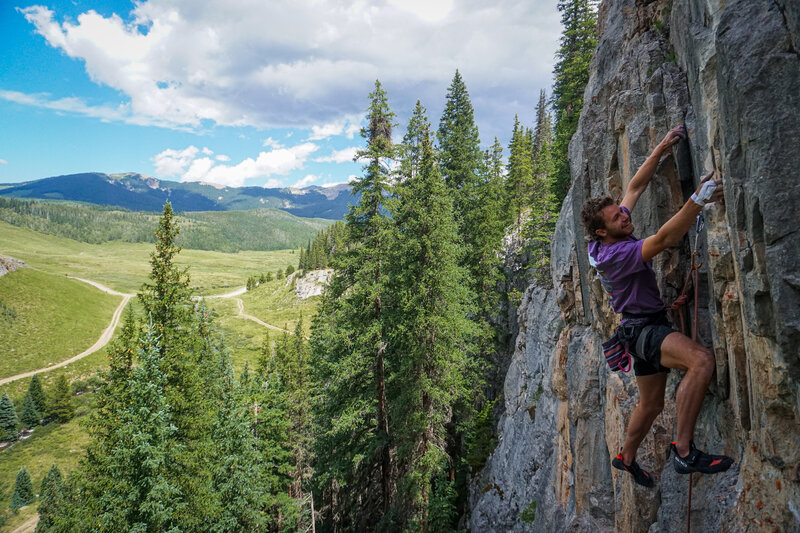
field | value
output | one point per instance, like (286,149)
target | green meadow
(124,266)
(54,319)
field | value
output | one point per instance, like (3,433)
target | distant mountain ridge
(138,192)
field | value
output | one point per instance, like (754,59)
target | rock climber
(624,266)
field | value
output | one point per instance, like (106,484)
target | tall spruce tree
(353,444)
(62,408)
(430,331)
(519,181)
(23,490)
(37,393)
(9,423)
(268,409)
(238,469)
(190,363)
(541,224)
(30,416)
(571,73)
(51,497)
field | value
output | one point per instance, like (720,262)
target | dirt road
(104,339)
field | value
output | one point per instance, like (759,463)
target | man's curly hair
(590,215)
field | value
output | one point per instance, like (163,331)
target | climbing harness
(677,305)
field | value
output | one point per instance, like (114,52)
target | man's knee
(703,360)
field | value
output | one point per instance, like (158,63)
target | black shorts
(655,329)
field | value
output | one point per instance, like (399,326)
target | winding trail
(104,339)
(240,305)
(28,526)
(242,314)
(108,333)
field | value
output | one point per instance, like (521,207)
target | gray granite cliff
(730,71)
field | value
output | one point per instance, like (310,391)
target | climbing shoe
(697,461)
(639,476)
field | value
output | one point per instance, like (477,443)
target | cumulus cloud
(346,125)
(345,155)
(189,167)
(308,180)
(174,162)
(302,63)
(272,143)
(223,158)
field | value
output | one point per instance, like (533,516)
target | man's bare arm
(676,227)
(645,173)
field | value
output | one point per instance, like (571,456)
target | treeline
(222,231)
(254,281)
(178,443)
(319,252)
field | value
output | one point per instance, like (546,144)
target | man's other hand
(709,190)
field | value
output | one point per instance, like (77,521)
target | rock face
(312,284)
(730,71)
(9,264)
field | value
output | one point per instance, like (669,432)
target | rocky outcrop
(730,71)
(9,264)
(311,284)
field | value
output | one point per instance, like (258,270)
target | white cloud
(304,63)
(3,162)
(273,184)
(207,151)
(272,143)
(174,162)
(339,156)
(189,167)
(348,125)
(222,157)
(425,9)
(308,180)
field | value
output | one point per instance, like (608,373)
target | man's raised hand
(673,136)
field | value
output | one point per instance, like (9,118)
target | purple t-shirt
(629,282)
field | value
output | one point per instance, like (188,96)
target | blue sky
(243,92)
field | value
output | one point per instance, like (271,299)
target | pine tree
(9,423)
(36,391)
(23,491)
(62,408)
(353,444)
(237,473)
(51,497)
(166,298)
(541,224)
(430,331)
(30,416)
(520,172)
(571,73)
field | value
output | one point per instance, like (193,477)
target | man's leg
(679,351)
(651,402)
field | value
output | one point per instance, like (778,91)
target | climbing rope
(677,306)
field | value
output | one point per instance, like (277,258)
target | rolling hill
(223,231)
(143,193)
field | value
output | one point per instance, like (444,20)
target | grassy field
(55,319)
(275,303)
(124,266)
